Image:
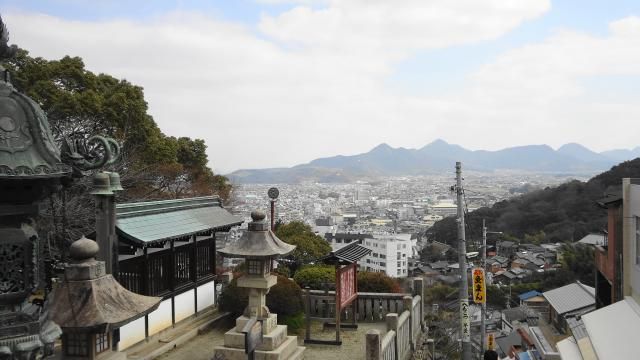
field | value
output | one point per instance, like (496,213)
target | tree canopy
(565,213)
(80,104)
(309,246)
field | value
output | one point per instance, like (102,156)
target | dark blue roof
(529,294)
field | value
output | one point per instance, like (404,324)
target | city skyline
(299,80)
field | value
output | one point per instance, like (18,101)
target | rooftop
(571,297)
(143,223)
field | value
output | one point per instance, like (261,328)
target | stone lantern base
(276,344)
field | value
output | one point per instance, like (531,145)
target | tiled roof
(570,297)
(346,255)
(147,222)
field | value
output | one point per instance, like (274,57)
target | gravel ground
(353,342)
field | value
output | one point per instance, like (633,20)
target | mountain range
(438,156)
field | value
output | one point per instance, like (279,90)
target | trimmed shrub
(234,299)
(284,298)
(316,277)
(377,282)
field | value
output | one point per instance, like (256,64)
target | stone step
(283,352)
(299,354)
(271,341)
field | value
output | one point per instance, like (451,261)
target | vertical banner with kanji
(466,320)
(491,342)
(479,290)
(347,285)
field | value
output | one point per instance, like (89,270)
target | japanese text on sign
(347,288)
(491,342)
(466,321)
(479,290)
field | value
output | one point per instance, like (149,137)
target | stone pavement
(353,342)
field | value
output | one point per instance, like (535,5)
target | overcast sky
(272,83)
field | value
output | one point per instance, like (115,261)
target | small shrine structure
(167,249)
(259,246)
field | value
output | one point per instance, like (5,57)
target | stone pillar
(418,288)
(408,306)
(373,346)
(392,324)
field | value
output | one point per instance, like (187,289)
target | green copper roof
(147,222)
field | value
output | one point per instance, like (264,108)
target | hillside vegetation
(561,214)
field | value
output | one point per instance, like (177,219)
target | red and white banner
(347,288)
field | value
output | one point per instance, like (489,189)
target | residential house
(506,248)
(533,300)
(575,299)
(608,254)
(612,331)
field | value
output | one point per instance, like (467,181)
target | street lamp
(483,325)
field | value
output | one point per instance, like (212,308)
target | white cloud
(311,83)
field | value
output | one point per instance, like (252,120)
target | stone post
(418,288)
(373,345)
(392,324)
(408,306)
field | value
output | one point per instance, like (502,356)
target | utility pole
(462,259)
(483,327)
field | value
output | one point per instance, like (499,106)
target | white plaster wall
(184,305)
(206,295)
(131,334)
(633,204)
(161,318)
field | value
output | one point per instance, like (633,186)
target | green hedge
(316,277)
(284,298)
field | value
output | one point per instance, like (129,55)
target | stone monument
(89,304)
(259,246)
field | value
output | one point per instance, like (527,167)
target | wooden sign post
(346,291)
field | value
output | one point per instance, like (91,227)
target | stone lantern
(89,304)
(259,246)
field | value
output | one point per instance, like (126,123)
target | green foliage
(496,297)
(377,282)
(234,298)
(309,246)
(284,298)
(440,293)
(283,271)
(80,104)
(316,277)
(565,213)
(294,322)
(580,260)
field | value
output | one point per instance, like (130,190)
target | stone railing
(404,331)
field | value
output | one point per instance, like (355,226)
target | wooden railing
(368,306)
(403,331)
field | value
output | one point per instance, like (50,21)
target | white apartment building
(390,254)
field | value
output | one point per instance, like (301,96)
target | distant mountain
(622,154)
(581,153)
(435,157)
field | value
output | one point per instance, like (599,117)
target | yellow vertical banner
(479,290)
(491,342)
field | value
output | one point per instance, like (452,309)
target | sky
(272,83)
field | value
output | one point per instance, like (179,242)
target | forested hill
(561,214)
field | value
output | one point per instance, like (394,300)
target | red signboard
(347,287)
